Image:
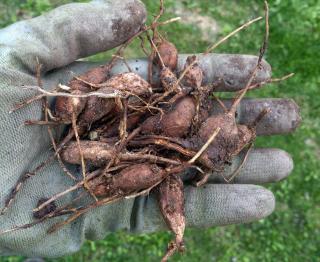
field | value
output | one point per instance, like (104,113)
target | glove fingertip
(264,204)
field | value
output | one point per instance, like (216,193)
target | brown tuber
(64,105)
(100,153)
(130,180)
(168,53)
(113,129)
(175,123)
(231,139)
(171,203)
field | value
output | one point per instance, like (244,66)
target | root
(271,81)
(123,121)
(14,191)
(237,171)
(175,140)
(204,179)
(164,142)
(46,120)
(125,157)
(161,11)
(155,49)
(114,94)
(122,145)
(25,103)
(222,40)
(150,67)
(262,114)
(41,123)
(255,71)
(83,165)
(81,211)
(124,61)
(149,158)
(54,145)
(225,109)
(69,190)
(145,51)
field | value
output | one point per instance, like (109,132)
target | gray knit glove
(59,38)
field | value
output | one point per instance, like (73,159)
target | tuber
(64,106)
(94,108)
(228,142)
(168,53)
(171,203)
(175,123)
(129,180)
(99,153)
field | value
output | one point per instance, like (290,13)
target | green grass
(292,232)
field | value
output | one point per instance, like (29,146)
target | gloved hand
(58,39)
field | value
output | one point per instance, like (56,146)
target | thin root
(25,103)
(222,40)
(255,71)
(83,165)
(237,171)
(114,94)
(46,118)
(41,123)
(225,109)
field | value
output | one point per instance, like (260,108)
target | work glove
(57,40)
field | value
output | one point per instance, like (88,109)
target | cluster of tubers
(132,137)
(150,147)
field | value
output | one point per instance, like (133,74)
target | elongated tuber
(171,203)
(129,180)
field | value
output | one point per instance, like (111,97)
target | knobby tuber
(144,134)
(229,142)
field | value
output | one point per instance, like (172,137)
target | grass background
(292,232)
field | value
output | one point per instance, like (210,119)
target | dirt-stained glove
(58,39)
